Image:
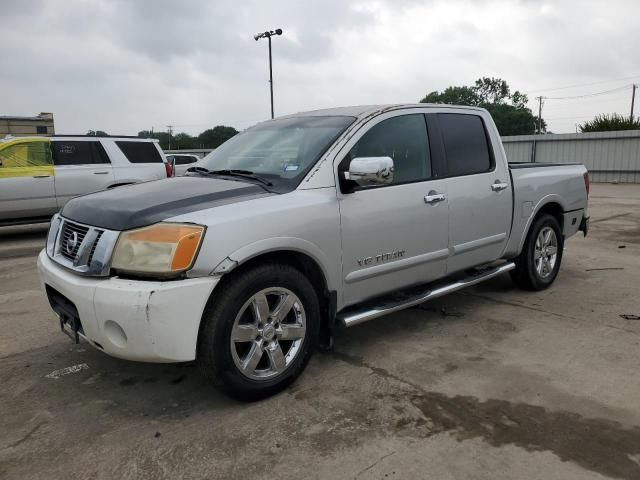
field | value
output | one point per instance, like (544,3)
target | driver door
(391,237)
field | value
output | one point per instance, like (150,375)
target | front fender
(269,245)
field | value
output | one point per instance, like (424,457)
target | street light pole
(271,77)
(268,36)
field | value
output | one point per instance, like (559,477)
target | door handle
(498,186)
(100,173)
(434,197)
(41,176)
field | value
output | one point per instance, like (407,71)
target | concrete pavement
(489,383)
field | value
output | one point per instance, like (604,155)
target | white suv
(38,175)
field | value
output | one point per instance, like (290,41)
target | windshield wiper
(242,174)
(198,169)
(231,173)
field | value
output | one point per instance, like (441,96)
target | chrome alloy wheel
(267,333)
(546,252)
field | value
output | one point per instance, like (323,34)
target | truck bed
(516,165)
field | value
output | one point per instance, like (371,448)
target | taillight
(167,167)
(586,183)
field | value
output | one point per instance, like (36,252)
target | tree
(211,138)
(97,133)
(453,96)
(509,110)
(607,123)
(162,137)
(181,141)
(216,136)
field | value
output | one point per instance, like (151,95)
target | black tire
(525,275)
(215,356)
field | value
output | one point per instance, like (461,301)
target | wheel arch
(120,184)
(298,253)
(551,204)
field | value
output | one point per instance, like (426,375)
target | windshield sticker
(291,168)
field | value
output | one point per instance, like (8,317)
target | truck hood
(142,204)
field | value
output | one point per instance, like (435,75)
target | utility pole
(539,114)
(268,36)
(633,98)
(170,128)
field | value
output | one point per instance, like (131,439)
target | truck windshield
(281,151)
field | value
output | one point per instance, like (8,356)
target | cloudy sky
(124,66)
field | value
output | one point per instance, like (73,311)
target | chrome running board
(370,310)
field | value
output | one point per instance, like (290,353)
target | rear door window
(465,143)
(78,153)
(140,152)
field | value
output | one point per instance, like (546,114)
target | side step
(370,310)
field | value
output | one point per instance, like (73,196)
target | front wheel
(538,264)
(259,331)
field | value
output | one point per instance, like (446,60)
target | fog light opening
(115,334)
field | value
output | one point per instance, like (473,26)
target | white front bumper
(147,321)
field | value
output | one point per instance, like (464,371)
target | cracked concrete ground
(489,383)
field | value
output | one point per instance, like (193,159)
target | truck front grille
(82,248)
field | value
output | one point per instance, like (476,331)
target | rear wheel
(260,331)
(538,264)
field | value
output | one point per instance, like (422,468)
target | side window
(78,153)
(404,139)
(465,144)
(26,155)
(140,152)
(185,160)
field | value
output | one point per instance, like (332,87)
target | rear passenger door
(82,166)
(479,191)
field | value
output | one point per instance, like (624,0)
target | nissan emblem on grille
(72,243)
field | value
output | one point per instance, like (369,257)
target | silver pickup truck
(301,225)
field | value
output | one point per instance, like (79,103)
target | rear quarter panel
(536,187)
(126,172)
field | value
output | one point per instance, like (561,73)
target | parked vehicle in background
(38,175)
(300,225)
(181,161)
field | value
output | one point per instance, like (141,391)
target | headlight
(165,249)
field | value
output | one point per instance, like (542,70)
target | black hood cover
(142,204)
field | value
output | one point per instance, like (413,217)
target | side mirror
(370,171)
(173,167)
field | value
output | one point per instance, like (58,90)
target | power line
(595,94)
(583,84)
